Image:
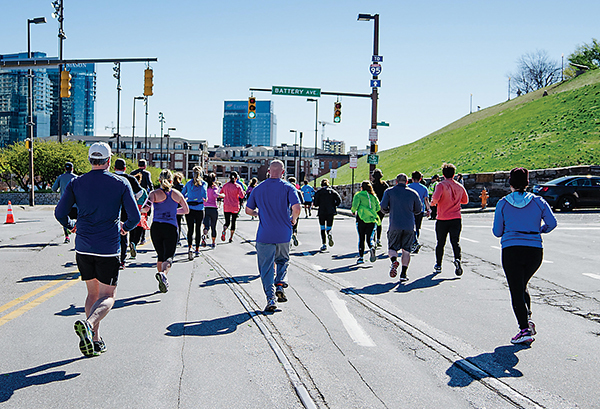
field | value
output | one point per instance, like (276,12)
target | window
(179,156)
(178,146)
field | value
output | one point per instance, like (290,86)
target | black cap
(120,164)
(69,166)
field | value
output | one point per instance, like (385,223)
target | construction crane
(323,123)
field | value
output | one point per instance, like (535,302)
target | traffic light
(148,75)
(28,144)
(65,84)
(337,112)
(251,108)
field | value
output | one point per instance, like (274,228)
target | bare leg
(405,258)
(100,300)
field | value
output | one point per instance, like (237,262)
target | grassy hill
(560,129)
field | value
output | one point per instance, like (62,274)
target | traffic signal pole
(374,93)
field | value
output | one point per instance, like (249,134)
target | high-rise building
(78,109)
(238,130)
(333,146)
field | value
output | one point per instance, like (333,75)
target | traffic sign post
(375,69)
(375,83)
(373,159)
(373,135)
(315,167)
(333,175)
(377,58)
(353,162)
(297,92)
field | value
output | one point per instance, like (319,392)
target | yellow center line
(32,293)
(34,303)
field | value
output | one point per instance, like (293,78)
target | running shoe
(403,277)
(122,266)
(223,236)
(378,244)
(212,246)
(294,239)
(190,254)
(523,337)
(532,327)
(163,283)
(231,240)
(360,260)
(280,294)
(458,268)
(132,250)
(324,247)
(100,346)
(142,242)
(271,306)
(437,268)
(394,268)
(330,237)
(197,252)
(67,240)
(83,329)
(414,249)
(203,240)
(373,255)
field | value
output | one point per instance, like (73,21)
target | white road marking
(496,247)
(548,261)
(471,240)
(596,276)
(356,332)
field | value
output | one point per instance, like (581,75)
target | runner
(59,186)
(379,186)
(211,209)
(308,192)
(146,183)
(120,167)
(252,185)
(402,204)
(448,196)
(421,190)
(195,193)
(231,204)
(292,181)
(136,234)
(326,200)
(365,206)
(272,201)
(519,219)
(177,185)
(163,231)
(100,196)
(435,179)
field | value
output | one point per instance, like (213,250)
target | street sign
(375,69)
(333,173)
(382,123)
(377,58)
(353,162)
(375,83)
(353,150)
(297,92)
(373,159)
(315,167)
(373,135)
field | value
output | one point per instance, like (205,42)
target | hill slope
(561,129)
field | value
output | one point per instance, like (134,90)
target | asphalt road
(349,336)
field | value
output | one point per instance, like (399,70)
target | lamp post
(374,96)
(133,129)
(168,135)
(295,154)
(146,130)
(161,119)
(300,159)
(117,75)
(30,123)
(316,101)
(59,14)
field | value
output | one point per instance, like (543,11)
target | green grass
(561,129)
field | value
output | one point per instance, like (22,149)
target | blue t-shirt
(307,192)
(274,199)
(421,191)
(195,195)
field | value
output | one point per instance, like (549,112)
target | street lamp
(117,75)
(133,129)
(168,135)
(161,119)
(30,123)
(295,154)
(316,101)
(375,18)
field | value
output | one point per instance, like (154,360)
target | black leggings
(418,223)
(230,217)
(194,223)
(379,226)
(136,234)
(365,230)
(325,221)
(211,215)
(520,264)
(164,239)
(442,229)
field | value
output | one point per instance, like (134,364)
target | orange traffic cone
(10,218)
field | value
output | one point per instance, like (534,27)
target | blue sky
(436,53)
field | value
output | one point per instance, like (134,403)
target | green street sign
(373,159)
(382,123)
(296,92)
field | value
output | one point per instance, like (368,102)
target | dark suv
(569,192)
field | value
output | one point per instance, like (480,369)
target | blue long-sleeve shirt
(520,218)
(99,196)
(195,195)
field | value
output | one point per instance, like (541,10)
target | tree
(587,54)
(534,71)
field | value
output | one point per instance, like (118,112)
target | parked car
(569,192)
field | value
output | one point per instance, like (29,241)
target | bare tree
(534,71)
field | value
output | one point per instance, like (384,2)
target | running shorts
(400,239)
(104,269)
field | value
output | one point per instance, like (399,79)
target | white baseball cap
(99,150)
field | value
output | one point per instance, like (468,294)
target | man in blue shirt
(59,186)
(423,193)
(272,201)
(99,196)
(308,192)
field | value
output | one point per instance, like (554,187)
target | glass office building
(238,130)
(78,110)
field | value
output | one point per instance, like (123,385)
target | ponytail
(197,175)
(166,180)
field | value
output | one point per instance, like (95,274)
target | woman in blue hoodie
(195,195)
(520,218)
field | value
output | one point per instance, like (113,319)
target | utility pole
(146,131)
(161,119)
(117,75)
(59,15)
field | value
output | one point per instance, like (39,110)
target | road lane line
(471,240)
(32,293)
(34,303)
(548,261)
(496,247)
(596,276)
(356,332)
